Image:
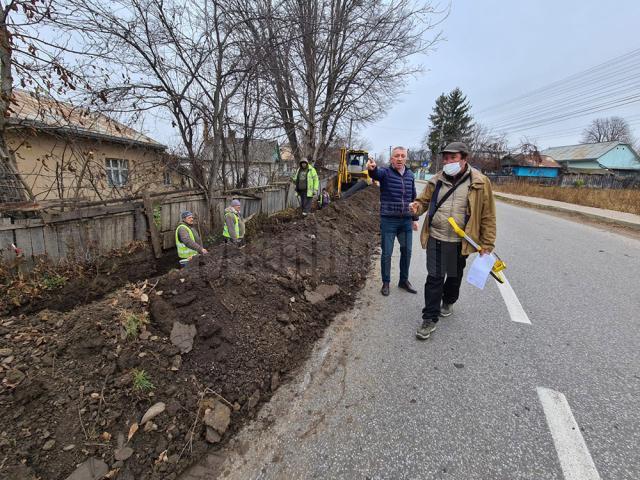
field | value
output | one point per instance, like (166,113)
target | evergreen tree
(450,121)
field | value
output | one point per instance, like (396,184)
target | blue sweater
(396,191)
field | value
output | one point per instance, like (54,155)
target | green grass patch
(141,381)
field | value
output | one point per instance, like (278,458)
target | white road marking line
(516,312)
(575,460)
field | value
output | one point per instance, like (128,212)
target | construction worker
(397,191)
(307,184)
(233,230)
(187,239)
(461,192)
(324,199)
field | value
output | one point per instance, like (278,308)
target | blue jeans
(390,228)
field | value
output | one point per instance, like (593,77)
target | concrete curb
(592,216)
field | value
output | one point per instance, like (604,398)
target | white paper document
(479,271)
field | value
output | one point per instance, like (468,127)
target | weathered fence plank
(51,242)
(23,242)
(6,239)
(156,241)
(37,241)
(165,217)
(62,232)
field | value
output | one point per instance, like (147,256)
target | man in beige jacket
(461,192)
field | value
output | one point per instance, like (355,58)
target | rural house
(265,165)
(263,158)
(68,152)
(530,165)
(596,158)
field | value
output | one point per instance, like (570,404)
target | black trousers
(445,268)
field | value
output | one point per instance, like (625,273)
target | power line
(580,76)
(619,86)
(538,114)
(572,131)
(610,85)
(589,85)
(576,113)
(586,86)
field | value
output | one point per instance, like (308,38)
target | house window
(117,172)
(167,177)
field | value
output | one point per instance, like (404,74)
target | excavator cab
(352,168)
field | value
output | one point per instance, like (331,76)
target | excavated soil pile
(141,383)
(91,283)
(256,310)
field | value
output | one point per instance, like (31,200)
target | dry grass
(623,200)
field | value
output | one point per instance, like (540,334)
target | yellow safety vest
(236,225)
(183,250)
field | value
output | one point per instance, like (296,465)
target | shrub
(132,323)
(53,281)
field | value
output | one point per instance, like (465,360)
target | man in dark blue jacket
(397,191)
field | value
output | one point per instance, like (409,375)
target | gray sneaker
(446,309)
(425,330)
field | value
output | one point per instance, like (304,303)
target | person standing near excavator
(397,191)
(307,184)
(461,192)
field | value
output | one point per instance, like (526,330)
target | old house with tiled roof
(67,152)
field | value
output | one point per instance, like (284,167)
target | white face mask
(452,169)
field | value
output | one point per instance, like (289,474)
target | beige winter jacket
(481,211)
(454,206)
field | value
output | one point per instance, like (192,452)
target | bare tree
(608,130)
(177,59)
(29,60)
(329,62)
(486,148)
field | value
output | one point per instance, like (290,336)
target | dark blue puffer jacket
(396,191)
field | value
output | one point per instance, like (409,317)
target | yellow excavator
(352,169)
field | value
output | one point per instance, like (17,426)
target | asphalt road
(375,403)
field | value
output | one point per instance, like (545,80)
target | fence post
(153,230)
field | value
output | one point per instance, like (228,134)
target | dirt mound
(74,383)
(254,308)
(200,349)
(62,288)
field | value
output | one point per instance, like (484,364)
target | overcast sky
(496,50)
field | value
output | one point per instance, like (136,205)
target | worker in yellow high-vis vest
(233,230)
(188,241)
(307,184)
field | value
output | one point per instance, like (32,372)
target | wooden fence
(83,233)
(599,181)
(573,180)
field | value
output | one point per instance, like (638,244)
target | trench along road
(539,379)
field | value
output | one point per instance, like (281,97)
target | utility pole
(439,144)
(350,127)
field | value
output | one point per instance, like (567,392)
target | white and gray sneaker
(425,329)
(446,309)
